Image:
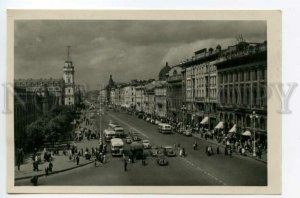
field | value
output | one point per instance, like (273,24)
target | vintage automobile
(154,151)
(161,160)
(169,151)
(146,144)
(128,140)
(187,132)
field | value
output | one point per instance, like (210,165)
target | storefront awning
(204,121)
(233,129)
(220,125)
(247,133)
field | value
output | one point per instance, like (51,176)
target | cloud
(126,49)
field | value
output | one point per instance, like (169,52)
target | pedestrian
(218,150)
(19,158)
(180,152)
(104,158)
(34,179)
(50,167)
(77,159)
(125,165)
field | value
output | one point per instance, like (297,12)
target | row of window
(201,69)
(244,96)
(242,76)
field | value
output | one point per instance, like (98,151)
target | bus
(112,126)
(117,146)
(164,128)
(109,134)
(119,132)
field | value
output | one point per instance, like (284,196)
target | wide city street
(195,169)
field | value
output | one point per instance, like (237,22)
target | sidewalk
(263,159)
(60,163)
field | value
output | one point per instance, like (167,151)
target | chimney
(167,64)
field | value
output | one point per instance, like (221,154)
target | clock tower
(68,77)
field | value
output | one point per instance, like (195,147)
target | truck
(136,149)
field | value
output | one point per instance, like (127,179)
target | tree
(36,133)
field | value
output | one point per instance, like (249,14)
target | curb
(54,172)
(260,160)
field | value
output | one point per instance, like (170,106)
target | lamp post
(183,109)
(254,116)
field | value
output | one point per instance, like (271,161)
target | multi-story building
(242,80)
(149,98)
(129,96)
(139,98)
(176,93)
(55,88)
(201,87)
(112,96)
(68,76)
(102,95)
(161,99)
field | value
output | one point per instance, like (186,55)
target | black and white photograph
(123,102)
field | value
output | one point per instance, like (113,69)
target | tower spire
(68,51)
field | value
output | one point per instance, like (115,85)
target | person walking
(77,159)
(218,150)
(125,165)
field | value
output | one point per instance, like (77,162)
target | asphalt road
(196,169)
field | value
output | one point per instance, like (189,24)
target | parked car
(146,144)
(169,151)
(162,161)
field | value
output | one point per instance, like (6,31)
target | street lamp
(183,109)
(254,116)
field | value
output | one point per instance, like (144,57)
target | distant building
(68,76)
(139,98)
(129,96)
(55,89)
(149,98)
(175,92)
(160,92)
(164,71)
(109,87)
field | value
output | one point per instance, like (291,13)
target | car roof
(168,147)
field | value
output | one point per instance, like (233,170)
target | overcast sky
(126,49)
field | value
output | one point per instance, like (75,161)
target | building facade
(54,88)
(242,74)
(201,87)
(68,76)
(175,94)
(139,97)
(161,99)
